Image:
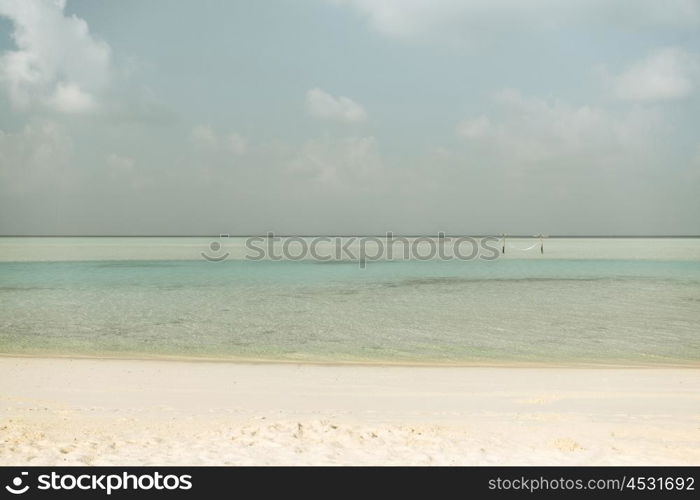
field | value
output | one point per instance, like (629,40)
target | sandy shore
(101,412)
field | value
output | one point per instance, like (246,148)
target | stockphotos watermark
(360,249)
(95,482)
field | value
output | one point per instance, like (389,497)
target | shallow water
(627,301)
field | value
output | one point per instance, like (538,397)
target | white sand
(101,412)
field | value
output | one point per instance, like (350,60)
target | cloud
(471,19)
(205,137)
(665,74)
(58,64)
(528,132)
(123,173)
(323,105)
(351,161)
(236,143)
(120,163)
(613,170)
(37,156)
(69,98)
(474,128)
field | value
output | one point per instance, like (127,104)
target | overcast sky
(350,116)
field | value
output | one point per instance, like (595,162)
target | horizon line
(350,235)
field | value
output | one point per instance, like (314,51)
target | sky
(349,117)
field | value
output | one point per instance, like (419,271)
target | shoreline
(362,363)
(136,412)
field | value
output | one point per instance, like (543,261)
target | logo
(215,247)
(16,488)
(108,483)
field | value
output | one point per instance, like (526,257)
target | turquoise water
(594,301)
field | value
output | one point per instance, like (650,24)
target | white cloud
(474,128)
(120,163)
(123,172)
(69,98)
(236,143)
(595,168)
(57,63)
(323,105)
(530,132)
(352,161)
(38,156)
(470,19)
(664,74)
(205,137)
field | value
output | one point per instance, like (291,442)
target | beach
(137,351)
(349,233)
(71,411)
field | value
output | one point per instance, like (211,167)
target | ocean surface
(598,301)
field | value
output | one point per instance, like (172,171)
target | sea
(555,301)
